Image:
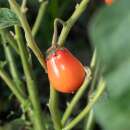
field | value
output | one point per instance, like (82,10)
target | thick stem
(53,107)
(39,18)
(76,98)
(28,34)
(31,84)
(80,8)
(86,110)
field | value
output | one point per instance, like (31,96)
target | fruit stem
(55,34)
(80,8)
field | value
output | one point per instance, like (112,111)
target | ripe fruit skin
(65,72)
(109,2)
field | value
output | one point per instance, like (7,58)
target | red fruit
(108,2)
(65,71)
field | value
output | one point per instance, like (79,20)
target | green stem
(94,81)
(86,110)
(28,34)
(13,87)
(53,106)
(90,121)
(93,61)
(94,68)
(12,66)
(76,98)
(10,40)
(31,84)
(23,6)
(54,38)
(80,8)
(39,18)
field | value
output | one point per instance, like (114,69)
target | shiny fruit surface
(65,71)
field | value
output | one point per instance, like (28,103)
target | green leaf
(110,35)
(8,18)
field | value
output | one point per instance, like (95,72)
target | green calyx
(53,50)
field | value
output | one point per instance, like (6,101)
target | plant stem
(53,100)
(76,98)
(28,34)
(95,76)
(89,121)
(86,110)
(31,84)
(10,40)
(12,66)
(95,66)
(80,8)
(54,38)
(53,106)
(93,61)
(23,6)
(13,87)
(39,18)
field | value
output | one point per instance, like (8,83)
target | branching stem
(86,110)
(80,8)
(28,33)
(31,84)
(77,96)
